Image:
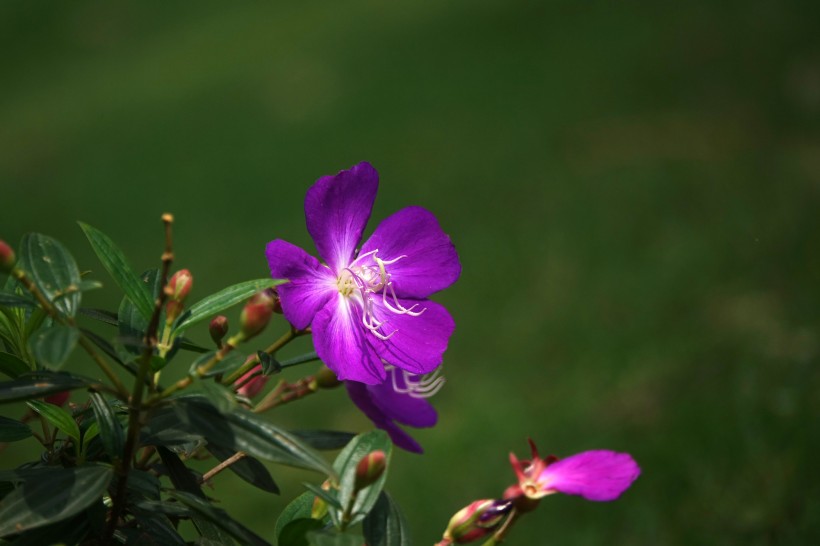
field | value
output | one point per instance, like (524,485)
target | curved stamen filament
(423,386)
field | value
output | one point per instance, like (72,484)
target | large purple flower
(369,307)
(399,399)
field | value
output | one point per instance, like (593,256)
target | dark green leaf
(12,366)
(111,433)
(39,385)
(324,439)
(132,323)
(328,496)
(144,483)
(188,345)
(298,508)
(333,538)
(9,299)
(270,365)
(345,466)
(58,417)
(117,266)
(220,518)
(67,531)
(385,525)
(173,509)
(12,431)
(82,286)
(46,495)
(53,270)
(247,468)
(158,529)
(52,346)
(223,299)
(295,532)
(108,317)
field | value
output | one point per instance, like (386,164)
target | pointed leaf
(220,518)
(52,346)
(108,317)
(53,270)
(345,465)
(385,524)
(223,299)
(298,509)
(12,366)
(324,439)
(247,468)
(328,496)
(48,494)
(111,433)
(10,299)
(117,266)
(39,385)
(12,430)
(58,417)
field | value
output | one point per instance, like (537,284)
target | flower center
(363,280)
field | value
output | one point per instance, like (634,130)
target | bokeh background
(633,189)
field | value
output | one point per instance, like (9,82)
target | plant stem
(285,392)
(222,466)
(498,536)
(286,338)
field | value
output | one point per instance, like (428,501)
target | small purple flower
(598,475)
(400,399)
(368,307)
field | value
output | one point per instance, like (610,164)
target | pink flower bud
(58,399)
(7,257)
(370,469)
(180,284)
(475,521)
(249,385)
(256,314)
(218,328)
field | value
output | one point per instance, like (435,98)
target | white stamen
(417,386)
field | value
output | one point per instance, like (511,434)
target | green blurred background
(633,189)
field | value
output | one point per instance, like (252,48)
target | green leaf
(82,286)
(108,317)
(111,433)
(270,365)
(89,434)
(132,324)
(223,299)
(52,346)
(385,524)
(68,531)
(220,518)
(117,266)
(12,430)
(345,466)
(10,299)
(48,494)
(58,417)
(330,538)
(328,496)
(191,416)
(12,366)
(39,385)
(295,532)
(324,439)
(53,270)
(247,468)
(298,509)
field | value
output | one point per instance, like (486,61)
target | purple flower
(400,399)
(598,475)
(368,307)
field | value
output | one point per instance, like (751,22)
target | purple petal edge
(598,475)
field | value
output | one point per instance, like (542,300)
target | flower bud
(58,399)
(370,469)
(178,287)
(326,379)
(256,314)
(476,520)
(7,257)
(218,328)
(249,385)
(319,508)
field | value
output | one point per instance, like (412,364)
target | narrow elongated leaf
(117,266)
(223,299)
(247,468)
(10,299)
(53,345)
(220,518)
(53,270)
(385,524)
(328,496)
(324,439)
(345,466)
(111,433)
(68,531)
(46,495)
(331,538)
(12,366)
(58,417)
(12,430)
(39,385)
(108,317)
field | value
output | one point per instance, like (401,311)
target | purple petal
(431,263)
(361,396)
(339,338)
(595,475)
(337,209)
(417,344)
(311,283)
(401,407)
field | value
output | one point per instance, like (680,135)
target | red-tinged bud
(178,287)
(326,379)
(58,399)
(249,386)
(370,469)
(476,520)
(7,257)
(218,328)
(256,314)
